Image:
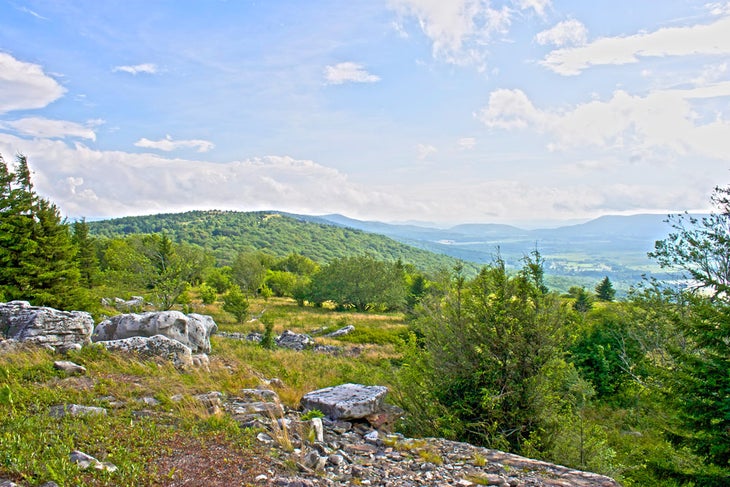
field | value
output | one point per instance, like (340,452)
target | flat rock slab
(346,401)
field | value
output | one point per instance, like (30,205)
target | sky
(526,112)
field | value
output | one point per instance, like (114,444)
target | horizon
(422,224)
(519,112)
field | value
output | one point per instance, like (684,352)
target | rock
(385,418)
(8,483)
(45,326)
(69,367)
(342,331)
(75,410)
(213,401)
(318,428)
(155,346)
(346,401)
(201,361)
(85,461)
(294,341)
(192,330)
(253,404)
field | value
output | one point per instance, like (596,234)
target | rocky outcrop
(155,346)
(191,330)
(44,326)
(347,401)
(340,453)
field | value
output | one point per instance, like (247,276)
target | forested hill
(226,233)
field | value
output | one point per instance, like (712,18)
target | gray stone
(294,341)
(69,367)
(45,326)
(342,331)
(192,330)
(346,401)
(318,428)
(155,346)
(75,410)
(85,461)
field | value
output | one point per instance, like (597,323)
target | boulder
(192,330)
(155,346)
(346,401)
(45,326)
(294,341)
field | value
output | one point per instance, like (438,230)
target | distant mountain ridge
(582,254)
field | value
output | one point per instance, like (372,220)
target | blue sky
(518,111)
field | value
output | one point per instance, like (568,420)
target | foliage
(207,294)
(236,303)
(227,233)
(37,256)
(604,290)
(697,378)
(490,344)
(155,264)
(583,300)
(361,282)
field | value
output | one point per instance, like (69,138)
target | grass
(35,447)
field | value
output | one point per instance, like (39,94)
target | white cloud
(88,182)
(46,128)
(25,86)
(348,72)
(702,39)
(567,33)
(458,29)
(466,143)
(168,144)
(539,6)
(425,150)
(662,120)
(147,68)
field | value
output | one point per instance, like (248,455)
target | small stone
(372,437)
(318,429)
(336,459)
(85,461)
(264,438)
(69,367)
(261,478)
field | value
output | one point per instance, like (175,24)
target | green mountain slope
(226,233)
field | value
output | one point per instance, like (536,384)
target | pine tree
(36,252)
(86,257)
(605,290)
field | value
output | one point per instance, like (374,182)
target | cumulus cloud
(701,39)
(661,120)
(146,68)
(88,182)
(168,144)
(25,86)
(567,33)
(348,72)
(46,128)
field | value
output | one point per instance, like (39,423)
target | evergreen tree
(605,290)
(699,378)
(86,258)
(583,300)
(36,251)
